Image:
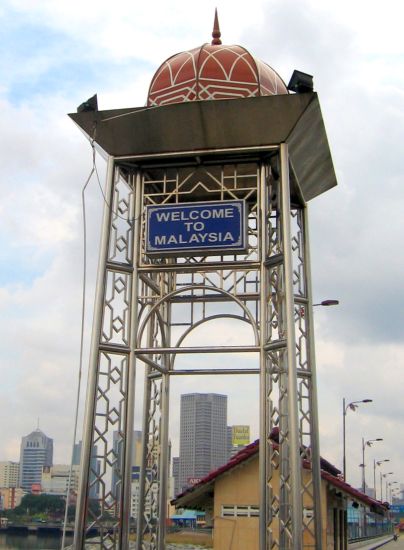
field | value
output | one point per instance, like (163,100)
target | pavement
(395,544)
(386,543)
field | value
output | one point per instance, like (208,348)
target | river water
(30,542)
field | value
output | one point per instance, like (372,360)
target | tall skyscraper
(117,467)
(95,466)
(203,435)
(176,474)
(36,452)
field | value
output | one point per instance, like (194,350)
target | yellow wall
(241,487)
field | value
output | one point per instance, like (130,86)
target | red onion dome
(213,71)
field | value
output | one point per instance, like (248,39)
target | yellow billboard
(240,435)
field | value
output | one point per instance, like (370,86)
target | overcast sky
(55,55)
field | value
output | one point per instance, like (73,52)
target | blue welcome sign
(201,227)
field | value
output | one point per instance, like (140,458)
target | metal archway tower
(146,305)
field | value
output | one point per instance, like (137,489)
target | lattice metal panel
(154,332)
(106,409)
(277,382)
(196,298)
(304,359)
(277,386)
(211,182)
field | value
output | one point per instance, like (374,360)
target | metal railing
(363,524)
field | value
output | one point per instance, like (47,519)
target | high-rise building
(229,433)
(176,474)
(95,466)
(117,467)
(36,453)
(203,435)
(135,492)
(9,474)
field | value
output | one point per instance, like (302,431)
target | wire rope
(83,311)
(93,171)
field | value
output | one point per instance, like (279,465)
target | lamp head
(330,302)
(300,82)
(90,105)
(371,441)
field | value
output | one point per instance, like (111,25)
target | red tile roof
(328,472)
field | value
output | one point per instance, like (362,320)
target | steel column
(145,442)
(130,403)
(293,413)
(313,402)
(89,414)
(264,435)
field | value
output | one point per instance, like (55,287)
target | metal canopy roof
(198,126)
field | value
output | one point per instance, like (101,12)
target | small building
(10,497)
(9,473)
(187,518)
(229,496)
(55,479)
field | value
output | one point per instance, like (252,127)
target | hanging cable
(83,310)
(128,221)
(93,171)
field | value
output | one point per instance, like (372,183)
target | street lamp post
(365,444)
(377,463)
(390,484)
(395,495)
(353,405)
(381,483)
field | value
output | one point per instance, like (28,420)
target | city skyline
(11,469)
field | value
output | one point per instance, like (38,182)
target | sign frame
(240,246)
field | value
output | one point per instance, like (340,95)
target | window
(240,511)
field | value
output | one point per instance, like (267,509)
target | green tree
(40,504)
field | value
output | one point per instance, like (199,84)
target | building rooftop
(203,490)
(213,71)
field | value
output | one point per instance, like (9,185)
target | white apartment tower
(9,474)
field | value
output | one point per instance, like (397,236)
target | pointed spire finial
(216,34)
